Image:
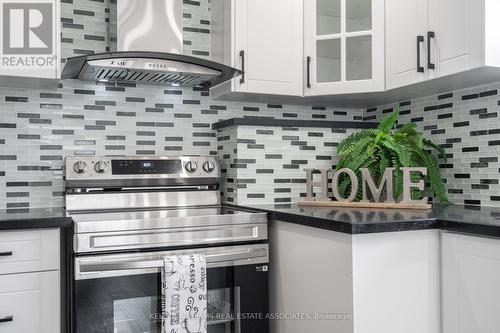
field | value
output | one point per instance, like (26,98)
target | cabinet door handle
(5,254)
(308,83)
(242,55)
(6,319)
(430,35)
(420,40)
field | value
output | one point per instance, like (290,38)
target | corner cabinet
(262,38)
(344,46)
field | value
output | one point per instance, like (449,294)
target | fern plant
(383,147)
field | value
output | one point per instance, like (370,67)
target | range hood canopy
(149,46)
(146,67)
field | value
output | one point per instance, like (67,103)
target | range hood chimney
(149,47)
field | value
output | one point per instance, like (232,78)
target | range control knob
(80,167)
(191,166)
(100,166)
(209,166)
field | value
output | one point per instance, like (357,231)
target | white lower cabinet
(426,281)
(470,284)
(367,283)
(29,251)
(30,303)
(30,296)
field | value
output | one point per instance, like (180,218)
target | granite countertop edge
(34,218)
(488,226)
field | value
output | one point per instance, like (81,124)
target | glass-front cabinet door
(344,46)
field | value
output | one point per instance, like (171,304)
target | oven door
(121,293)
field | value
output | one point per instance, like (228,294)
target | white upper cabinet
(428,39)
(406,24)
(343,46)
(455,37)
(264,39)
(331,48)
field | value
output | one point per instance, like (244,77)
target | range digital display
(142,167)
(147,165)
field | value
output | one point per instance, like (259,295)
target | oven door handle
(120,265)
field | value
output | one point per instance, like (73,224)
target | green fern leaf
(440,149)
(387,123)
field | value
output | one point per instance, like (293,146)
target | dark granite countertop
(34,218)
(476,220)
(466,219)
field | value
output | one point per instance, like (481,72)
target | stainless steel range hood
(149,48)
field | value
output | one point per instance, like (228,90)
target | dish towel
(184,294)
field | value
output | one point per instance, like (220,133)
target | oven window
(222,304)
(141,314)
(134,315)
(130,304)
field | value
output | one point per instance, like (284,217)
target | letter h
(311,184)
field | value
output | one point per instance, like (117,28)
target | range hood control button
(191,167)
(100,167)
(208,166)
(80,167)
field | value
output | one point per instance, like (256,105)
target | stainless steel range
(131,211)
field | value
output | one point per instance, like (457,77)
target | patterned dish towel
(184,294)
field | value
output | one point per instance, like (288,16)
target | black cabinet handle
(5,254)
(6,319)
(420,39)
(308,72)
(430,35)
(242,55)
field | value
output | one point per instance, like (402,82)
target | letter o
(354,185)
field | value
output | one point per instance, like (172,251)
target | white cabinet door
(344,46)
(268,45)
(459,34)
(30,303)
(470,284)
(29,251)
(406,20)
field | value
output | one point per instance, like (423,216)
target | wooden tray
(352,204)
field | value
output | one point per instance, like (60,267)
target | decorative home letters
(408,185)
(311,184)
(377,191)
(354,185)
(368,187)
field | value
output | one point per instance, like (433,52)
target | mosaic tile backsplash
(467,124)
(266,165)
(38,128)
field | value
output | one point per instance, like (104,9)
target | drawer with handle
(30,303)
(29,251)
